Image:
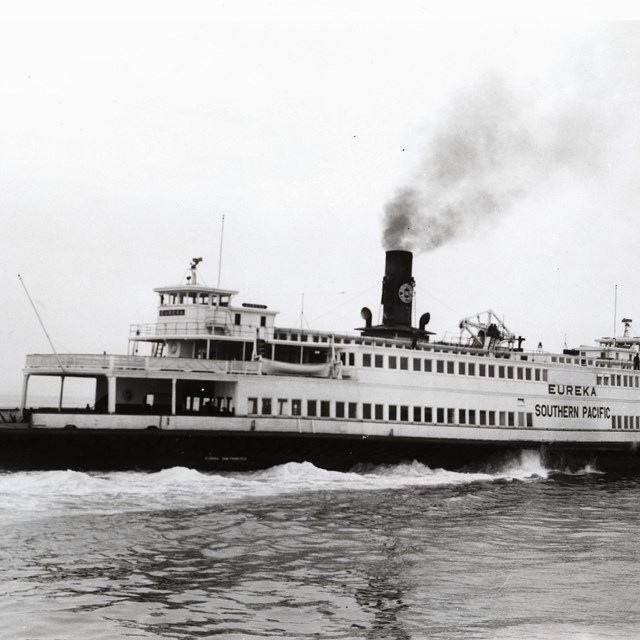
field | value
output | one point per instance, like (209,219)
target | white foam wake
(37,494)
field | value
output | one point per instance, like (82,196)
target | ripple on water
(296,552)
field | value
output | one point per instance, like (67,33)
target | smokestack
(397,302)
(397,289)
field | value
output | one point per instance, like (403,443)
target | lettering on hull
(569,411)
(578,391)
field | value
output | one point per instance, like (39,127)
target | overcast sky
(126,136)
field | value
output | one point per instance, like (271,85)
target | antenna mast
(615,313)
(220,256)
(24,286)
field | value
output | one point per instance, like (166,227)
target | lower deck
(530,404)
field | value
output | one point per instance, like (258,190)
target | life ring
(127,395)
(173,348)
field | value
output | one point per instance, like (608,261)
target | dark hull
(152,449)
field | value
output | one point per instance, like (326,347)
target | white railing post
(61,394)
(23,402)
(111,395)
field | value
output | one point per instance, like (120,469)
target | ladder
(158,349)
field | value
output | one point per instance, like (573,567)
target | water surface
(298,552)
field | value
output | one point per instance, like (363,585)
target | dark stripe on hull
(113,450)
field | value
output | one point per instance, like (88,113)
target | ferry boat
(221,387)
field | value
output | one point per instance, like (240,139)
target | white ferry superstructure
(223,388)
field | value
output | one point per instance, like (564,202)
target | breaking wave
(27,495)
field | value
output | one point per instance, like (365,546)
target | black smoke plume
(494,146)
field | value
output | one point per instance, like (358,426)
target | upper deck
(355,351)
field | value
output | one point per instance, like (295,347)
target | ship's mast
(615,313)
(220,255)
(46,333)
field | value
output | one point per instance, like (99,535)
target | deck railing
(164,330)
(91,362)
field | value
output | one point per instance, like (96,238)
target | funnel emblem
(405,293)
